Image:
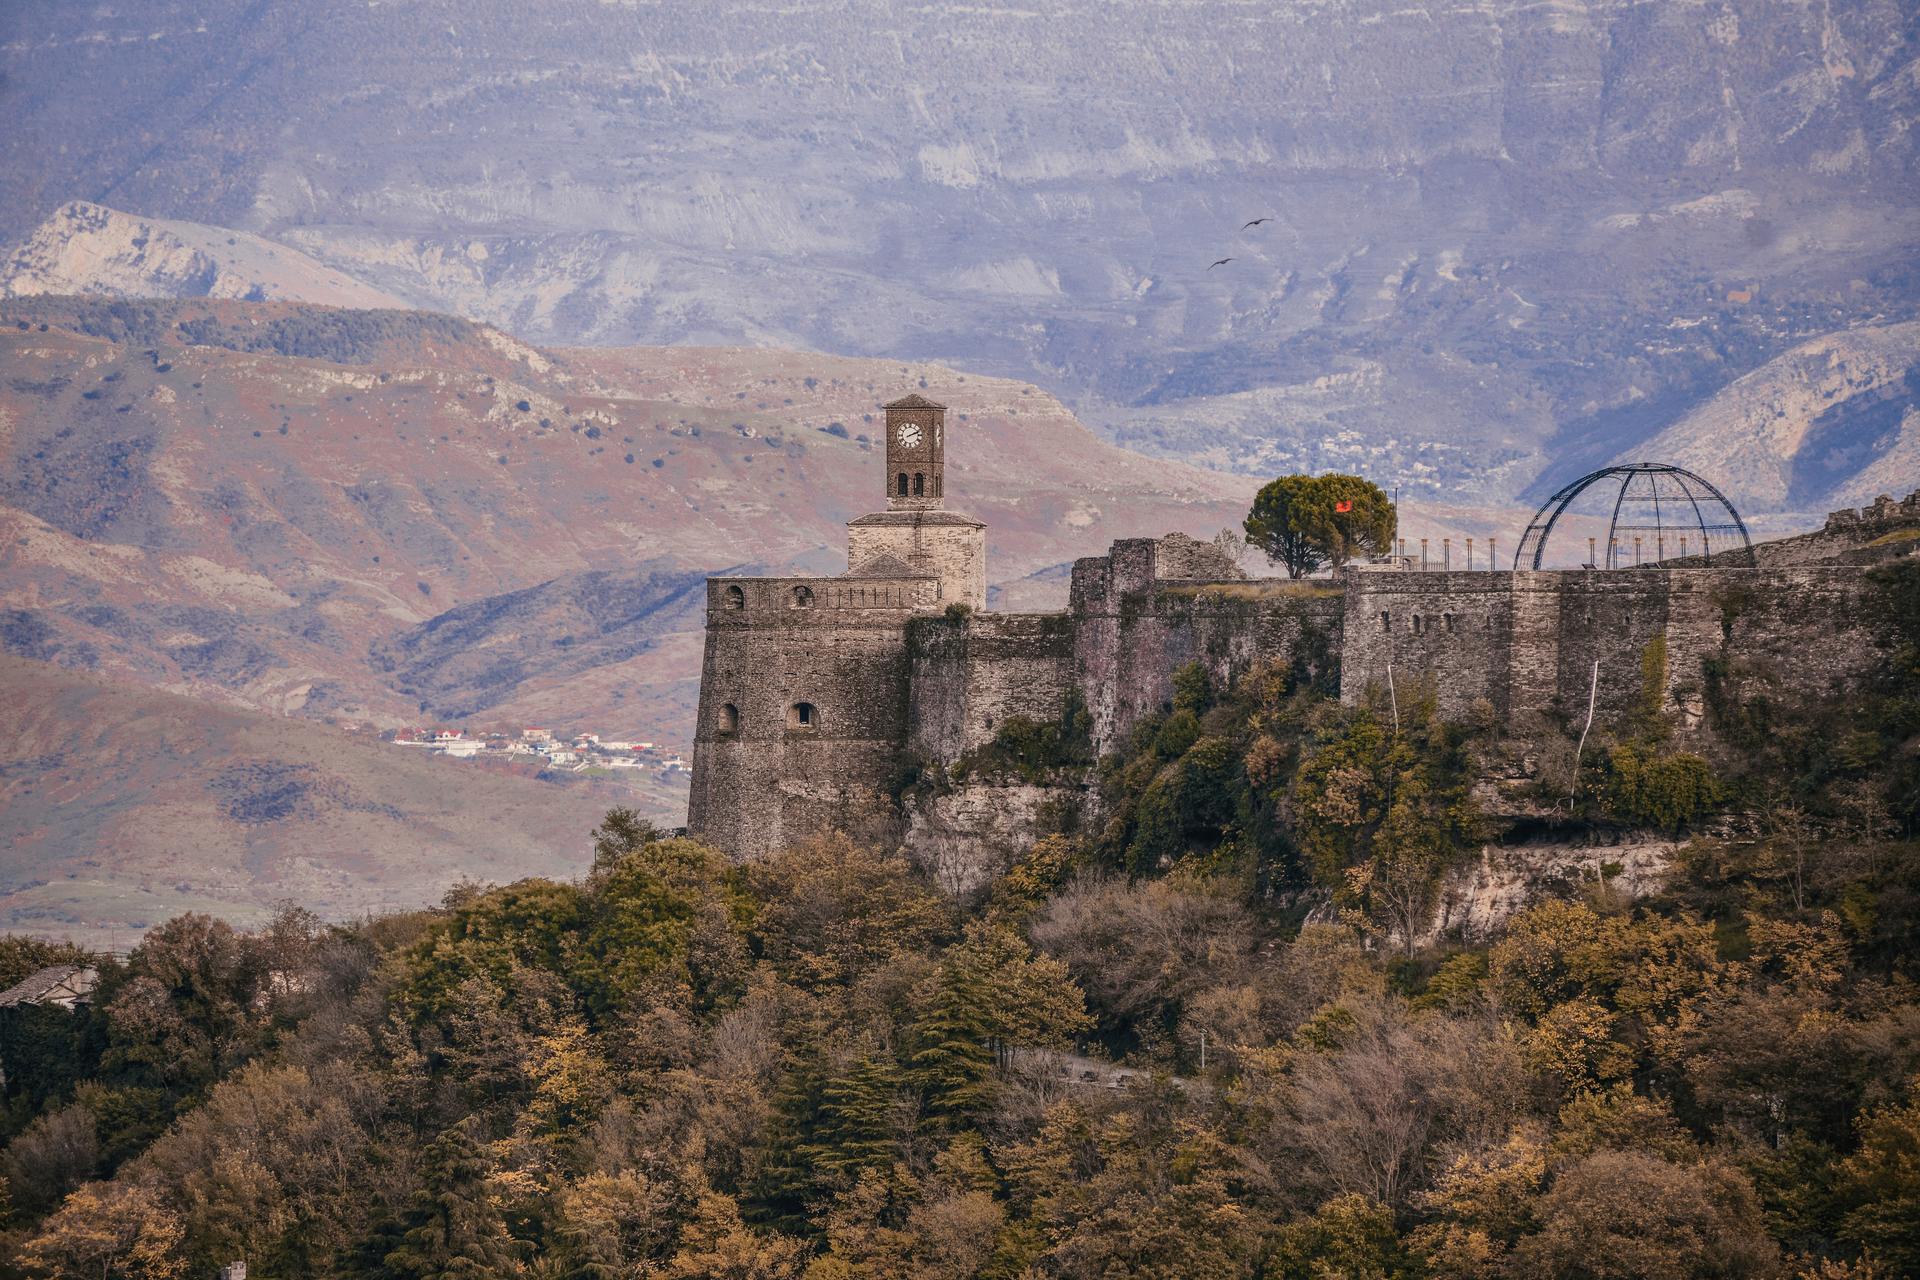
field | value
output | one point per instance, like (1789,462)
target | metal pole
(1636,551)
(1593,556)
(1469,555)
(1394,699)
(1446,555)
(1423,555)
(1493,557)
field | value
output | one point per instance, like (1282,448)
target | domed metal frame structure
(1668,502)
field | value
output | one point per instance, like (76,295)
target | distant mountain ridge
(88,248)
(1503,241)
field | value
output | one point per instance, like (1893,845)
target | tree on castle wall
(1307,523)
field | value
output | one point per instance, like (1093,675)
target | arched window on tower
(734,598)
(919,484)
(803,597)
(903,484)
(729,718)
(801,715)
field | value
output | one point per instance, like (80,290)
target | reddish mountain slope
(120,807)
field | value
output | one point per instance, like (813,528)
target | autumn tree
(1633,1216)
(1881,1184)
(110,1231)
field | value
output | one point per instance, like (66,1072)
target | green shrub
(1664,791)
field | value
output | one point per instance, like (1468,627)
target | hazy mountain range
(121,807)
(1504,240)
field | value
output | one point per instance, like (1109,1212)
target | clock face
(908,435)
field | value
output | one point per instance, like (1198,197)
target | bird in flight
(1256,222)
(1223,262)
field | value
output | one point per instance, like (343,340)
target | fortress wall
(1527,641)
(762,780)
(1796,634)
(1610,617)
(1808,632)
(1132,630)
(968,675)
(1456,629)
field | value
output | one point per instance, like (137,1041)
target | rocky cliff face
(1501,240)
(91,249)
(964,837)
(1474,900)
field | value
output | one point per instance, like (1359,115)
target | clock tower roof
(912,402)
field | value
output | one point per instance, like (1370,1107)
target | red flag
(1344,504)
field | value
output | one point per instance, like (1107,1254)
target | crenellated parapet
(1881,514)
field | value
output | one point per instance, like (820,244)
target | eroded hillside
(120,807)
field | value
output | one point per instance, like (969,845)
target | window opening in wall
(903,484)
(729,718)
(936,484)
(803,597)
(1386,621)
(736,598)
(1446,620)
(1418,627)
(919,484)
(802,716)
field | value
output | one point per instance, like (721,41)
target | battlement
(1528,642)
(1883,513)
(754,601)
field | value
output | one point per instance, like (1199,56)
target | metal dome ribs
(1667,502)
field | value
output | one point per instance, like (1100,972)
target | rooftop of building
(916,515)
(62,982)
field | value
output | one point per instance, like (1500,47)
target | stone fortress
(816,692)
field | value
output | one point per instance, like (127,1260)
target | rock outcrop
(90,249)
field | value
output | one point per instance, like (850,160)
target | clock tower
(916,454)
(917,536)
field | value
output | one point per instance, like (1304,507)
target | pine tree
(858,1125)
(953,1056)
(452,1231)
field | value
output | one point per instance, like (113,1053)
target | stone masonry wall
(1132,629)
(761,779)
(968,675)
(946,546)
(1527,641)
